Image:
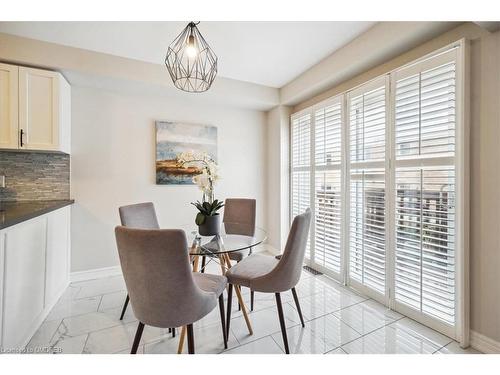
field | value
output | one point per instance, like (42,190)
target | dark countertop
(12,213)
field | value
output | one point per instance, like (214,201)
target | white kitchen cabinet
(24,278)
(9,127)
(34,271)
(39,116)
(58,257)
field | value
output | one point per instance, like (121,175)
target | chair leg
(239,306)
(223,319)
(203,261)
(124,307)
(282,322)
(296,299)
(190,337)
(173,332)
(251,299)
(229,307)
(137,339)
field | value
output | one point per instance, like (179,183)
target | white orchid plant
(205,181)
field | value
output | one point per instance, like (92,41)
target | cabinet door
(24,280)
(58,237)
(39,109)
(8,106)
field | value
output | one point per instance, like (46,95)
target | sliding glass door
(383,167)
(328,185)
(367,128)
(425,188)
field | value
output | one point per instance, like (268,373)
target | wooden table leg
(181,340)
(196,261)
(237,289)
(222,262)
(182,337)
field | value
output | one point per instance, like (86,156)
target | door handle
(21,137)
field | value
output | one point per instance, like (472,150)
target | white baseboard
(97,273)
(484,343)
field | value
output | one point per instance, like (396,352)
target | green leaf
(207,206)
(200,218)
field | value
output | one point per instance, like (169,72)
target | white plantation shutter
(425,112)
(328,213)
(425,187)
(328,182)
(327,141)
(301,141)
(367,228)
(301,166)
(425,236)
(367,125)
(384,168)
(367,239)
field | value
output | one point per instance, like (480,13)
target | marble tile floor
(338,321)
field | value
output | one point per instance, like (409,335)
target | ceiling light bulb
(191,50)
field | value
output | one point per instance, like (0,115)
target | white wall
(113,155)
(278,150)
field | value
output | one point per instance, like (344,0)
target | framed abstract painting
(174,138)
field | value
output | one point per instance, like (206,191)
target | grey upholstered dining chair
(267,274)
(164,292)
(240,211)
(142,216)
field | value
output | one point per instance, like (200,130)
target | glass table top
(232,237)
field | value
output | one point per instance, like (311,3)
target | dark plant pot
(210,227)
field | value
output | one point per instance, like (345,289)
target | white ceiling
(267,53)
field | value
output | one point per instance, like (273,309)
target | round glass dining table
(232,237)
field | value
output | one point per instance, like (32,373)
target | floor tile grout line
(51,337)
(362,335)
(373,330)
(279,346)
(100,301)
(85,345)
(85,313)
(99,294)
(418,335)
(443,346)
(101,329)
(331,312)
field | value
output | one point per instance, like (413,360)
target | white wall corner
(491,26)
(285,113)
(277,175)
(97,273)
(483,343)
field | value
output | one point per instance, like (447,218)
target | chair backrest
(141,215)
(287,272)
(242,212)
(159,279)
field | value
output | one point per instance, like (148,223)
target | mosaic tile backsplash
(34,176)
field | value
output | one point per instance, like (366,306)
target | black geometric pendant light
(190,61)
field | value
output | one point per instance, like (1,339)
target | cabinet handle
(22,133)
